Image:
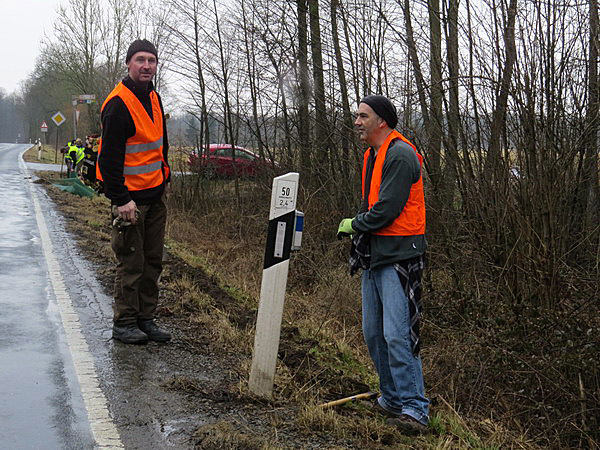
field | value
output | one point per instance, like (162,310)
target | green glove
(345,228)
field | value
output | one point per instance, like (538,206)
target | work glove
(345,228)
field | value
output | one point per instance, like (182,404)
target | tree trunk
(346,131)
(322,146)
(587,201)
(435,111)
(303,114)
(204,128)
(227,119)
(250,58)
(454,132)
(414,60)
(499,114)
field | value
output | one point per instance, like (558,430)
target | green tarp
(74,186)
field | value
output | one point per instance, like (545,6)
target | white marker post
(272,291)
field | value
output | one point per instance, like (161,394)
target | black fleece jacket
(117,127)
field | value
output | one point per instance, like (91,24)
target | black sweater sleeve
(117,127)
(165,138)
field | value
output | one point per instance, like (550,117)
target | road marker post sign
(76,100)
(282,235)
(58,118)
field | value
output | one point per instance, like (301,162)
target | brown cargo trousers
(139,251)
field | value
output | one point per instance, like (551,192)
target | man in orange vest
(389,245)
(132,163)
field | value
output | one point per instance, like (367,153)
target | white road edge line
(104,431)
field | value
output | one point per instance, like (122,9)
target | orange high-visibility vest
(411,221)
(144,159)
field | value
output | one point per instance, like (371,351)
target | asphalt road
(41,405)
(64,383)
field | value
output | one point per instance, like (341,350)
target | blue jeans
(386,328)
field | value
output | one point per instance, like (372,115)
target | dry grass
(182,383)
(225,334)
(226,436)
(49,155)
(313,418)
(322,355)
(189,297)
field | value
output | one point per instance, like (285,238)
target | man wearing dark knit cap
(388,243)
(132,163)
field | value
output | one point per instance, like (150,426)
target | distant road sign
(58,118)
(44,127)
(83,99)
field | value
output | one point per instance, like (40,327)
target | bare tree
(587,200)
(303,91)
(347,124)
(322,139)
(500,109)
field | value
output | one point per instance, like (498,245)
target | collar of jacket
(138,89)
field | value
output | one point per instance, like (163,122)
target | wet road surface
(40,401)
(41,166)
(64,383)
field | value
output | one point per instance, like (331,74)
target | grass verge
(212,280)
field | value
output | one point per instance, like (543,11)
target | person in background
(132,163)
(78,155)
(389,245)
(70,152)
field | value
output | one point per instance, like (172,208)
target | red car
(219,161)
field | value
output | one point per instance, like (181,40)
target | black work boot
(408,425)
(154,333)
(129,334)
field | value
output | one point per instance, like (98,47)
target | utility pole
(75,119)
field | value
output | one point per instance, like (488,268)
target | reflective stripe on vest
(136,148)
(139,170)
(80,154)
(411,221)
(144,166)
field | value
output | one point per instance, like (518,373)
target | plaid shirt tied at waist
(409,272)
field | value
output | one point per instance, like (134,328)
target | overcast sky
(22,25)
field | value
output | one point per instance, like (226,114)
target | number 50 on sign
(286,195)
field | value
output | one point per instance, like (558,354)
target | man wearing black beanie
(389,244)
(383,108)
(132,163)
(140,45)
